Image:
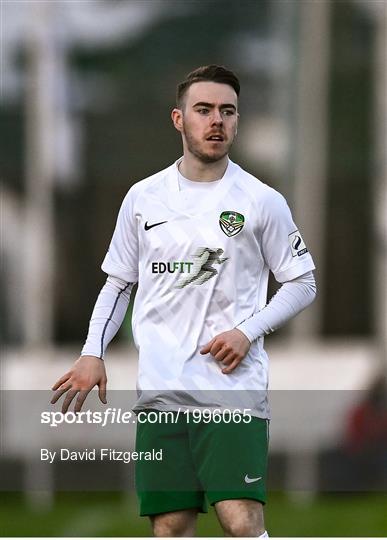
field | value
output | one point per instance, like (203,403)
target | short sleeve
(121,260)
(283,247)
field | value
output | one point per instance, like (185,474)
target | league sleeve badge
(297,245)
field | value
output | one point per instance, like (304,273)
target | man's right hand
(86,372)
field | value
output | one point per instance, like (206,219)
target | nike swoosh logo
(249,480)
(147,227)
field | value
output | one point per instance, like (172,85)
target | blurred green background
(82,123)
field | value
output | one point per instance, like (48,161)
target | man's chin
(211,158)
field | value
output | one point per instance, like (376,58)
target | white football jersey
(202,268)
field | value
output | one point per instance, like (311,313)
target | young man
(199,238)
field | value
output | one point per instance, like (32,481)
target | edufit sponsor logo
(197,271)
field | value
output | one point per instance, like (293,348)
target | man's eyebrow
(211,105)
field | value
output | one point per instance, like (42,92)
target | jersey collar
(176,196)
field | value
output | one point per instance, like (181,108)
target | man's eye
(203,111)
(228,112)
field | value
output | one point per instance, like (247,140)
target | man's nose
(217,117)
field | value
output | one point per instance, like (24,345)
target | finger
(60,392)
(206,349)
(231,367)
(68,399)
(229,358)
(102,391)
(80,400)
(60,381)
(216,347)
(221,354)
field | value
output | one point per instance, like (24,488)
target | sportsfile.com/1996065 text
(113,415)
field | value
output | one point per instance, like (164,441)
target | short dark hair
(211,73)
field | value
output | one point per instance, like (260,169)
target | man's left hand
(229,347)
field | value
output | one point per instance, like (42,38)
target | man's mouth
(216,138)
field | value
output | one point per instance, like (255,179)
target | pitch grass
(115,514)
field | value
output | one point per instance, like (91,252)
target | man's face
(208,120)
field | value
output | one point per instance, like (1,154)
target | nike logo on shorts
(147,227)
(249,480)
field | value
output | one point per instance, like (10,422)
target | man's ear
(177,119)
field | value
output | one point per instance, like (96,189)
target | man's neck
(193,169)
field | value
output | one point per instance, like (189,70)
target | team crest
(231,222)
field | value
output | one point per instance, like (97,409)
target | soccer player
(199,238)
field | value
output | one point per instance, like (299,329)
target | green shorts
(200,461)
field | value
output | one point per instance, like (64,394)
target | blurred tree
(349,273)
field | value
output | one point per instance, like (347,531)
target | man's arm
(232,346)
(290,299)
(89,370)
